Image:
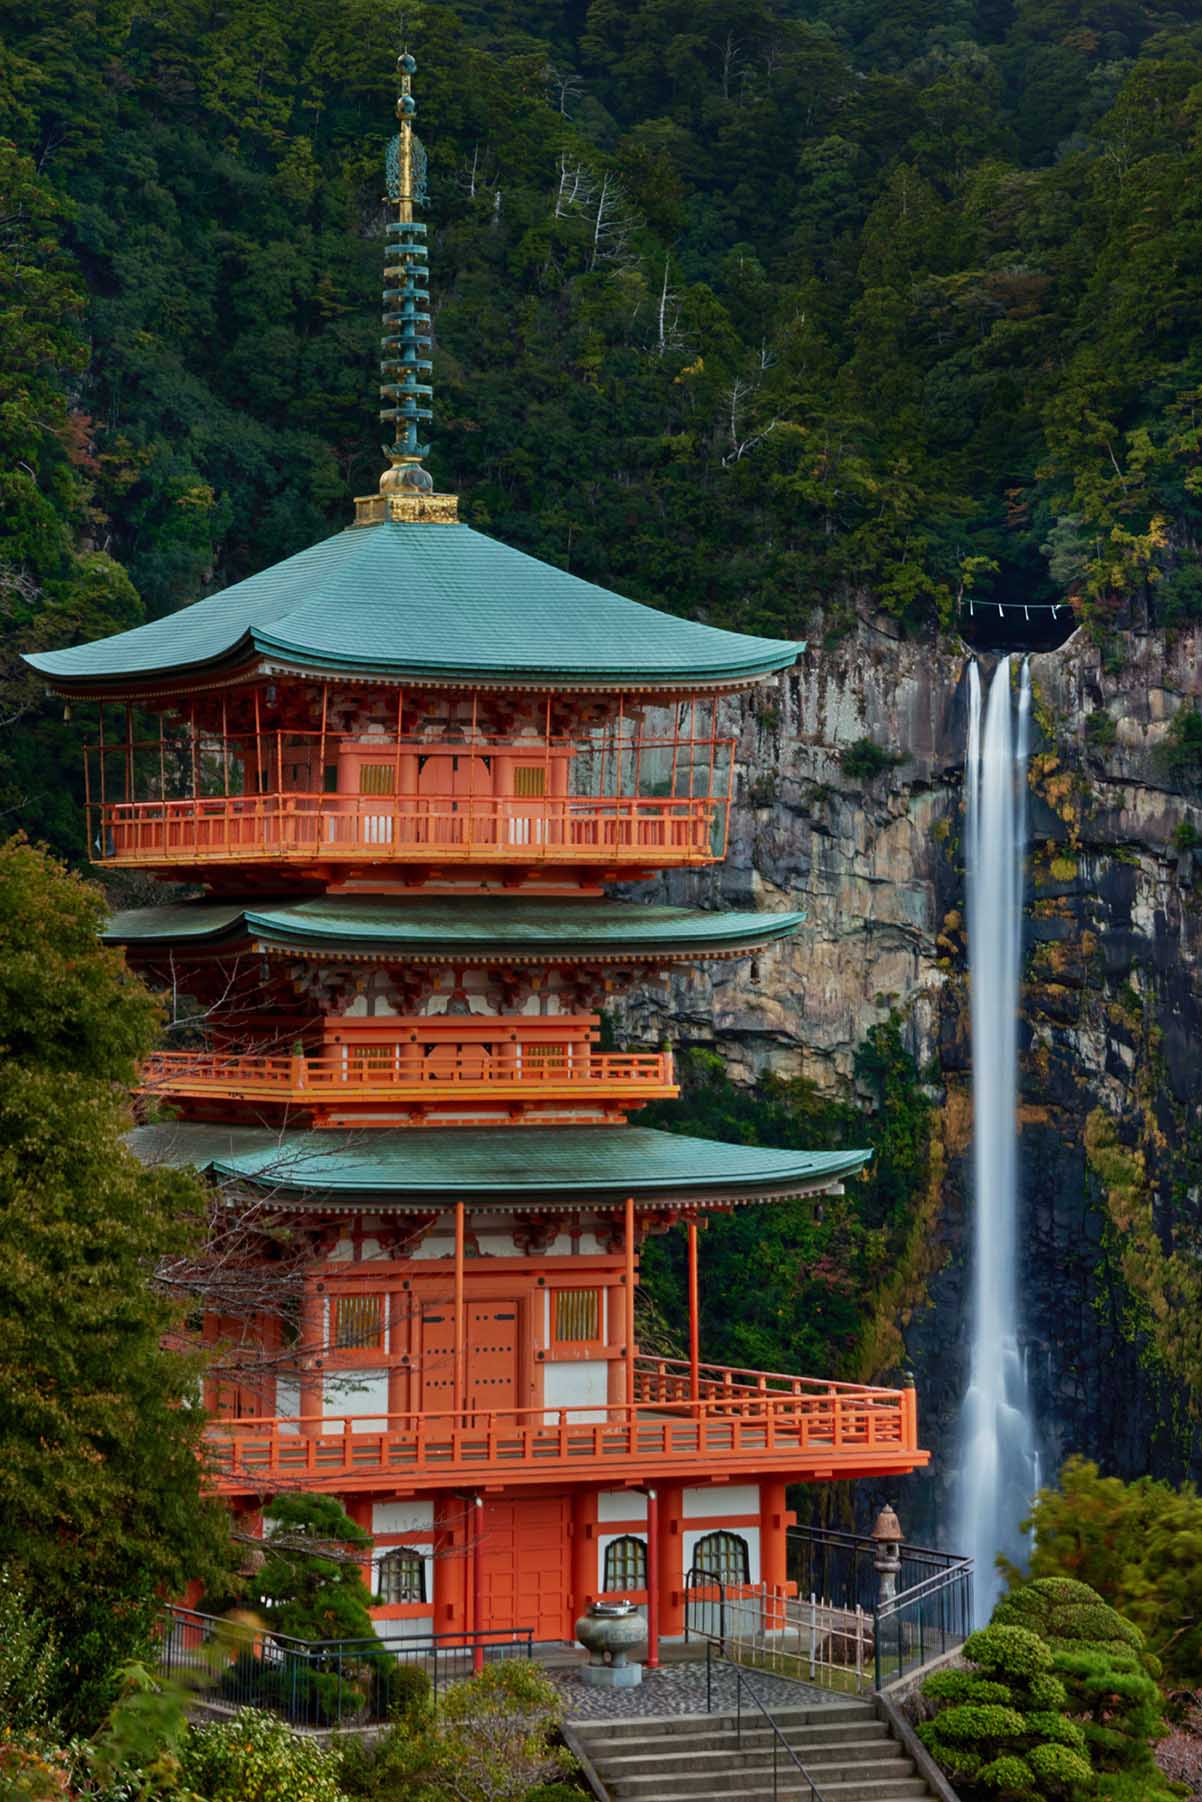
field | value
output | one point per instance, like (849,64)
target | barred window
(401,1576)
(725,1556)
(625,1563)
(575,1315)
(529,781)
(357,1322)
(376,778)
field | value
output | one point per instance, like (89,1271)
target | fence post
(876,1647)
(813,1632)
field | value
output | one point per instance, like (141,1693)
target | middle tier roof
(465,929)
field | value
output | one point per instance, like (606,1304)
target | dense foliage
(807,1276)
(1139,1545)
(1002,1730)
(1058,1701)
(100,1505)
(742,308)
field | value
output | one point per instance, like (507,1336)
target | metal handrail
(317,1682)
(710,1580)
(778,1739)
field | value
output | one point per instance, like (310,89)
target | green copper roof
(423,600)
(480,927)
(513,1167)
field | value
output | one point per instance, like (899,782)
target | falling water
(998,1461)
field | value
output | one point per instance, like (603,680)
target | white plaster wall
(363,1393)
(394,1629)
(402,1517)
(287,1401)
(582,1386)
(621,1504)
(725,1499)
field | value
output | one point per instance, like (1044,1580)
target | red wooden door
(527,1574)
(491,1360)
(437,1354)
(492,1355)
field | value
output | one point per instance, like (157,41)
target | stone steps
(845,1748)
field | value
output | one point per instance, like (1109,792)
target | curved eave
(557,1169)
(258,655)
(289,932)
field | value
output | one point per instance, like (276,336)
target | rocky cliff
(1111,1115)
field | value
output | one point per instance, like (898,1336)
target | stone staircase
(846,1749)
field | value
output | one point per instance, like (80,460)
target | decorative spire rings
(406,490)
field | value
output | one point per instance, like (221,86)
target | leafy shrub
(401,1692)
(28,1659)
(256,1758)
(1018,1746)
(1138,1546)
(864,761)
(495,1736)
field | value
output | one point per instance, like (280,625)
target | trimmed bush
(256,1758)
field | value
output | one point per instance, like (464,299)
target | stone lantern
(887,1538)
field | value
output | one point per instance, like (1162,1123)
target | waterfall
(998,1463)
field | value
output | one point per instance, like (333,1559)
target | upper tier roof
(419,601)
(520,1167)
(471,928)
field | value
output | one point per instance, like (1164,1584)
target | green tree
(310,1582)
(101,1511)
(1138,1545)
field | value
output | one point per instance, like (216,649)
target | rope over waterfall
(998,1459)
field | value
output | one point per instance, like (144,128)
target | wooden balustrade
(838,1428)
(319,828)
(424,1070)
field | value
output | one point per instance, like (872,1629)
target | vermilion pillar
(773,1544)
(312,1347)
(652,1579)
(459,1391)
(694,1326)
(630,1301)
(670,1543)
(476,1529)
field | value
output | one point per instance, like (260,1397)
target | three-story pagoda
(404,765)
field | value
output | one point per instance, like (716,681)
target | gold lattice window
(544,1060)
(625,1563)
(371,1060)
(529,780)
(357,1322)
(377,778)
(576,1315)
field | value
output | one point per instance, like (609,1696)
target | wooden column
(630,1301)
(311,1386)
(652,1579)
(694,1327)
(774,1520)
(476,1528)
(459,1395)
(586,1579)
(671,1560)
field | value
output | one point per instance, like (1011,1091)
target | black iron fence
(322,1683)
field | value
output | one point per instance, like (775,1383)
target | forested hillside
(748,307)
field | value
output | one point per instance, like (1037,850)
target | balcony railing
(812,1429)
(343,828)
(618,797)
(429,1073)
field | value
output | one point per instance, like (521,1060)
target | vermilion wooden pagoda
(404,765)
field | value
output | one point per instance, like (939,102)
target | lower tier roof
(481,927)
(511,1167)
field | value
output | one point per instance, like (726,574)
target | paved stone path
(680,1689)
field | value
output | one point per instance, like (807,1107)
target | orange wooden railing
(423,1071)
(828,1427)
(339,828)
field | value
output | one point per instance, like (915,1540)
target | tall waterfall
(998,1457)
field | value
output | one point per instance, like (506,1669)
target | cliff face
(1111,1108)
